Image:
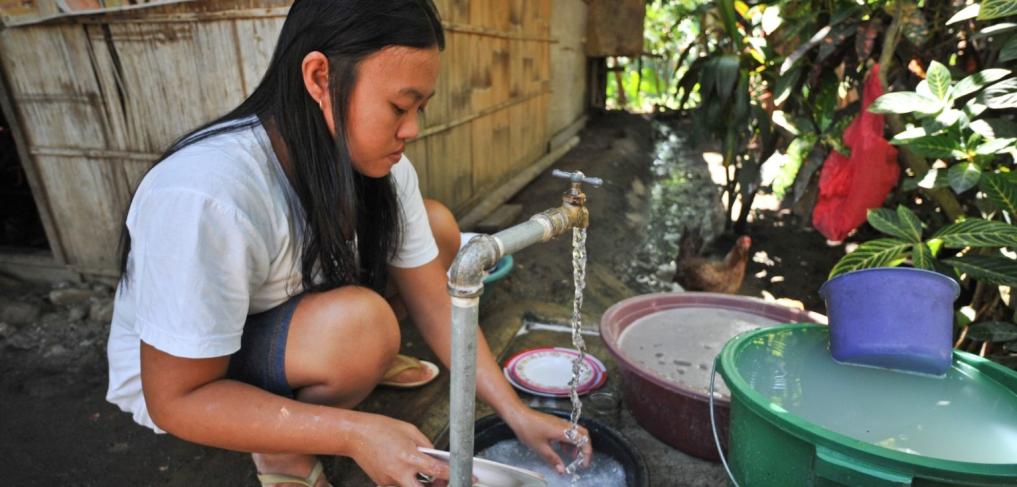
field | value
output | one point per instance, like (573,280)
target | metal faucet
(465,285)
(574,200)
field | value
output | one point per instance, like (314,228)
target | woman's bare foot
(288,464)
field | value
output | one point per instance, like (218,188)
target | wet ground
(56,428)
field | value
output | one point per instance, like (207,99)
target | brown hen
(697,273)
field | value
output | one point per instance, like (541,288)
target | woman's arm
(192,399)
(423,289)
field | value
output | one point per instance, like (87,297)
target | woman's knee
(445,229)
(347,336)
(364,315)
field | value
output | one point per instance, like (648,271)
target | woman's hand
(386,449)
(540,431)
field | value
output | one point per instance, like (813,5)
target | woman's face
(393,86)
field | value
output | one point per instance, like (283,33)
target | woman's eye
(398,111)
(420,110)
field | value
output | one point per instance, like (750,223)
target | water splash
(605,471)
(579,277)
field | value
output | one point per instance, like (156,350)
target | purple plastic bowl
(896,318)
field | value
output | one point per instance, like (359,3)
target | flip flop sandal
(404,363)
(276,478)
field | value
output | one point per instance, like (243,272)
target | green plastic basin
(798,418)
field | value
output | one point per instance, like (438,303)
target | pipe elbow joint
(466,276)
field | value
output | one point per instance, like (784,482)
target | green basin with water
(798,418)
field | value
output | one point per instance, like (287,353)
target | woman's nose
(410,128)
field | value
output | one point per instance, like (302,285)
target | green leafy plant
(978,249)
(946,132)
(964,126)
(774,83)
(906,243)
(790,99)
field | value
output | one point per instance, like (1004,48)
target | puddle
(682,195)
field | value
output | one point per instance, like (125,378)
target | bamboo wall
(98,98)
(568,63)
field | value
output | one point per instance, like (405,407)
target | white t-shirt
(214,238)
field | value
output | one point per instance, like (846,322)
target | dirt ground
(57,429)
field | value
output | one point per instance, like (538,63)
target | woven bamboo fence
(97,98)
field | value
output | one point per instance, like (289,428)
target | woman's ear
(315,71)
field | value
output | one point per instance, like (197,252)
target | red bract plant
(849,186)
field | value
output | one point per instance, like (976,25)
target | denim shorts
(261,360)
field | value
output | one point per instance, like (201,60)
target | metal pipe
(466,284)
(463,389)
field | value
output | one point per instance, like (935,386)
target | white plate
(582,392)
(515,384)
(549,370)
(494,474)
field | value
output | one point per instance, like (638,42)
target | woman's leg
(340,343)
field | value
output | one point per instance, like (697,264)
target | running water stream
(579,277)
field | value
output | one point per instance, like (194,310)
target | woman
(251,313)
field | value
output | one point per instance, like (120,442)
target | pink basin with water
(665,344)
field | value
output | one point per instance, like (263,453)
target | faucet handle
(577,177)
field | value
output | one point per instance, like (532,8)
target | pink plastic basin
(674,411)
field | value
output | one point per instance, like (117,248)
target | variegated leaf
(994,9)
(989,268)
(921,257)
(910,221)
(882,252)
(976,232)
(1001,191)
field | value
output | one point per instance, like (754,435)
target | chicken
(697,273)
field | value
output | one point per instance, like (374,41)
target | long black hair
(339,203)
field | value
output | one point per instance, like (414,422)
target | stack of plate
(547,372)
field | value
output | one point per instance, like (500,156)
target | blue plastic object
(897,318)
(501,269)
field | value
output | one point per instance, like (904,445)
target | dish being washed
(494,474)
